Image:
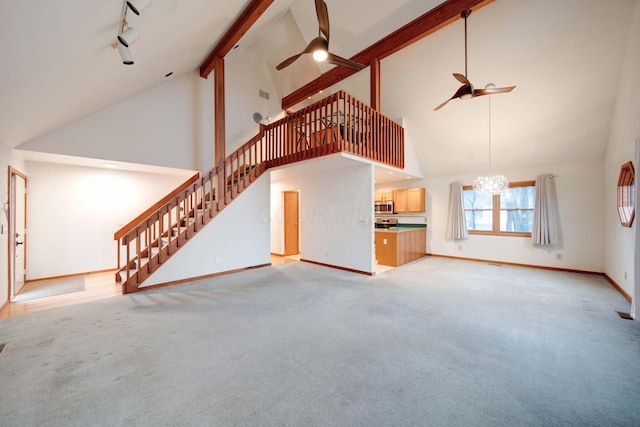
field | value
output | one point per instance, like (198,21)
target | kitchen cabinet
(400,246)
(400,200)
(415,200)
(384,196)
(409,200)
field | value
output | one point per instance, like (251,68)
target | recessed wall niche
(626,194)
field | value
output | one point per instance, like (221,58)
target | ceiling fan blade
(491,91)
(288,61)
(462,90)
(336,60)
(442,105)
(318,42)
(323,17)
(461,78)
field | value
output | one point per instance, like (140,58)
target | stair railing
(338,123)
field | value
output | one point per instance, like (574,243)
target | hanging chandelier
(490,184)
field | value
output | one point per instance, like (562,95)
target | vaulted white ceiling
(564,56)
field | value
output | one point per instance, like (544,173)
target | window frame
(496,213)
(626,195)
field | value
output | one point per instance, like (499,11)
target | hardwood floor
(278,259)
(96,286)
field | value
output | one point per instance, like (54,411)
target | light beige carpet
(436,342)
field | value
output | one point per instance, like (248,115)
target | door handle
(19,243)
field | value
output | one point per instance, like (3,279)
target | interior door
(291,223)
(17,231)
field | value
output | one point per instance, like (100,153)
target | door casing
(17,223)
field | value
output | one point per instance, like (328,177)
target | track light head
(128,36)
(125,54)
(138,6)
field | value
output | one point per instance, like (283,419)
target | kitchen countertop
(401,229)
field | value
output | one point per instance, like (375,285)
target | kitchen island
(396,246)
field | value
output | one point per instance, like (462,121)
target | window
(506,214)
(626,195)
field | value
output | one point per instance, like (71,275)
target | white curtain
(635,305)
(457,226)
(545,212)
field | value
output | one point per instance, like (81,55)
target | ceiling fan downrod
(465,14)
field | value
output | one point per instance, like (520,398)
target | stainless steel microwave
(383,207)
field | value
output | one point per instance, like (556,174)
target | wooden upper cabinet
(415,200)
(409,200)
(400,200)
(406,200)
(383,196)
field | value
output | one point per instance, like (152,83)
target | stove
(386,222)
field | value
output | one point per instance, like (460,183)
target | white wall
(245,76)
(579,189)
(336,216)
(277,212)
(237,238)
(357,85)
(625,129)
(74,211)
(7,158)
(169,125)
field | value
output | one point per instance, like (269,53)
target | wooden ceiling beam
(436,18)
(248,17)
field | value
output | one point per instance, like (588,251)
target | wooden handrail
(140,218)
(337,123)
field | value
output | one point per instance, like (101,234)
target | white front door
(17,231)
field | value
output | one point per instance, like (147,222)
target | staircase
(338,123)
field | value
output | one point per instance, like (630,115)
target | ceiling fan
(467,90)
(319,47)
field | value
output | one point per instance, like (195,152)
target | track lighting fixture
(138,6)
(127,59)
(128,35)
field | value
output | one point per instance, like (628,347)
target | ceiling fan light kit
(319,47)
(320,55)
(128,35)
